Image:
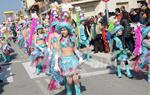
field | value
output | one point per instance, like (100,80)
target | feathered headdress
(138,41)
(32,27)
(65,25)
(55,11)
(117,28)
(54,17)
(78,10)
(66,12)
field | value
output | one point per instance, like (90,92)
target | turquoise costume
(145,56)
(69,65)
(83,39)
(55,75)
(39,52)
(21,41)
(5,52)
(119,53)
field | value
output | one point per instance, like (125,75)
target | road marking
(6,75)
(40,85)
(47,80)
(83,70)
(10,78)
(16,61)
(90,74)
(96,64)
(31,70)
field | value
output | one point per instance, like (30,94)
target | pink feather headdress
(138,41)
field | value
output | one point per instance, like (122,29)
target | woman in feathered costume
(26,35)
(3,57)
(40,47)
(53,41)
(120,53)
(54,17)
(5,47)
(83,40)
(70,58)
(56,79)
(144,59)
(138,46)
(20,38)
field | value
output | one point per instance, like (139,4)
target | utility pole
(106,8)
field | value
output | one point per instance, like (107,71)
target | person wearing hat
(20,38)
(38,54)
(119,51)
(2,55)
(46,27)
(144,60)
(70,58)
(26,36)
(53,42)
(83,40)
(97,36)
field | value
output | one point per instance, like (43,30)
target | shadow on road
(14,56)
(5,72)
(139,75)
(83,88)
(2,87)
(136,75)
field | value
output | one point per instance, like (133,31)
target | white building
(29,3)
(93,7)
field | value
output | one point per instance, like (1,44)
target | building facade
(90,7)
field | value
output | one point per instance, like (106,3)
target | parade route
(26,82)
(75,47)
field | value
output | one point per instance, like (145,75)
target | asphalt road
(97,78)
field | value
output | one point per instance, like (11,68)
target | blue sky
(6,5)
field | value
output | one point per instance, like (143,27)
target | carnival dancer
(31,43)
(144,59)
(71,59)
(20,38)
(26,35)
(83,40)
(2,55)
(120,53)
(40,47)
(137,28)
(5,50)
(57,79)
(54,18)
(53,42)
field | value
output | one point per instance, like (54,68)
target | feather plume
(138,41)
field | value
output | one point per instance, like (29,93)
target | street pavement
(97,78)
